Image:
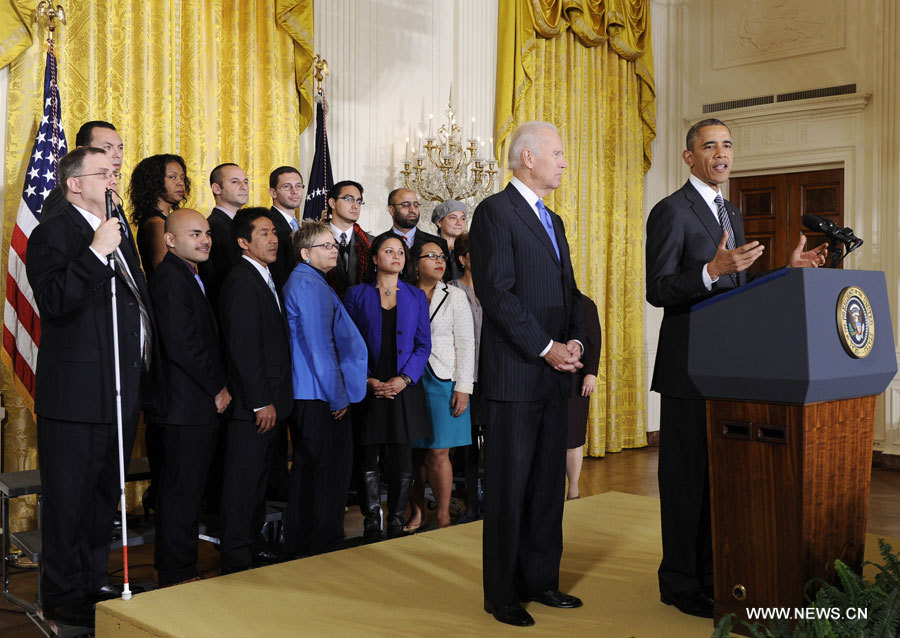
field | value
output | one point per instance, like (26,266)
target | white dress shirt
(338,233)
(708,193)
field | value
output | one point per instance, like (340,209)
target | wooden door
(773,207)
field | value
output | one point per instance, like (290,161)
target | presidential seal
(855,322)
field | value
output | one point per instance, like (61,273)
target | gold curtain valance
(623,24)
(626,23)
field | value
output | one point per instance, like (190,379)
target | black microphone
(830,230)
(115,210)
(110,206)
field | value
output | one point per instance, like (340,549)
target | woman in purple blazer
(393,319)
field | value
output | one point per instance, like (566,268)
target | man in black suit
(195,393)
(695,248)
(259,373)
(286,188)
(344,202)
(70,275)
(530,346)
(98,134)
(231,189)
(403,207)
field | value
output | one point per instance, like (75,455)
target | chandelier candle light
(448,167)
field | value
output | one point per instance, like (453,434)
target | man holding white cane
(78,451)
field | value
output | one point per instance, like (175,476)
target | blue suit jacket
(413,326)
(327,351)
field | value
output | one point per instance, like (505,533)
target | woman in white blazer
(448,382)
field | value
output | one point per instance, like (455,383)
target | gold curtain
(211,80)
(586,66)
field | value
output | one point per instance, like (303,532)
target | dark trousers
(320,478)
(248,457)
(79,467)
(684,496)
(525,470)
(182,478)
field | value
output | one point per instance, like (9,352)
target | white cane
(126,592)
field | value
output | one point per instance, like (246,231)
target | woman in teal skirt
(448,381)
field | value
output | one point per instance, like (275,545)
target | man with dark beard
(403,206)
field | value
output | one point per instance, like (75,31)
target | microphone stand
(111,211)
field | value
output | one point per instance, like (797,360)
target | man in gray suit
(530,345)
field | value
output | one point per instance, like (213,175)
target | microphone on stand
(836,235)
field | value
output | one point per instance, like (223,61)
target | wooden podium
(790,422)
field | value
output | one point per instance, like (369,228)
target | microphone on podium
(836,234)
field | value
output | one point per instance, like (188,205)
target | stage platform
(427,584)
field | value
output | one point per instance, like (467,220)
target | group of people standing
(366,349)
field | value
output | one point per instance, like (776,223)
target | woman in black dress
(393,319)
(580,401)
(158,186)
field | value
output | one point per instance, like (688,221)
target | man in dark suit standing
(71,278)
(195,393)
(695,248)
(98,134)
(230,188)
(286,188)
(259,373)
(345,199)
(530,345)
(403,207)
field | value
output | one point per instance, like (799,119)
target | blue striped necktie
(725,221)
(547,223)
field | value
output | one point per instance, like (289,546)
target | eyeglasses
(406,205)
(350,199)
(328,245)
(291,187)
(433,257)
(104,174)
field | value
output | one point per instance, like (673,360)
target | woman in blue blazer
(329,373)
(393,319)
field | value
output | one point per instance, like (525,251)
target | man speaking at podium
(695,249)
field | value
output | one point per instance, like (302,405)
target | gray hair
(445,208)
(527,135)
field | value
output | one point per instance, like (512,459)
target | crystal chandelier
(448,167)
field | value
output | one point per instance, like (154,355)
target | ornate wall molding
(763,30)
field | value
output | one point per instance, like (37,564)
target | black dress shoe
(555,598)
(110,591)
(80,614)
(513,614)
(266,557)
(693,603)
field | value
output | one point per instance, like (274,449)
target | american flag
(21,323)
(320,179)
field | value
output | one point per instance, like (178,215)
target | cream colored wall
(716,50)
(392,63)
